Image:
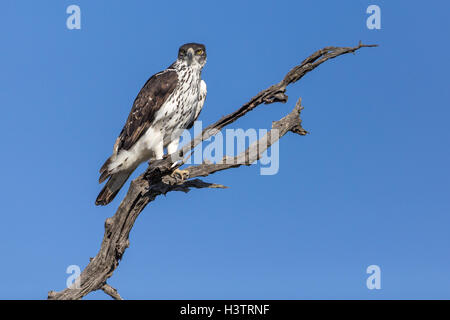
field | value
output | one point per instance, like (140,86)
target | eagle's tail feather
(112,187)
(104,172)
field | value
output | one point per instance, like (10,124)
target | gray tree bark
(157,179)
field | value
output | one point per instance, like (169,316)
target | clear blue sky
(369,185)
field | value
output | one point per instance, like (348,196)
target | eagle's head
(192,54)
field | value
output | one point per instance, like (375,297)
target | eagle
(168,103)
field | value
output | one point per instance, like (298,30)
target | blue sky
(369,185)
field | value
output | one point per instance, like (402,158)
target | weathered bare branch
(275,93)
(117,230)
(156,180)
(111,292)
(291,122)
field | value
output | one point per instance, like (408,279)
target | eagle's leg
(156,152)
(172,147)
(177,173)
(159,150)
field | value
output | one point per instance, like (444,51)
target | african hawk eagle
(169,102)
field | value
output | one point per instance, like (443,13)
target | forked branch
(157,179)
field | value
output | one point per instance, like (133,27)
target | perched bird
(169,102)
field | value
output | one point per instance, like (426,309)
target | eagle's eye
(182,52)
(199,52)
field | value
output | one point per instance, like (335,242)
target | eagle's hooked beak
(190,56)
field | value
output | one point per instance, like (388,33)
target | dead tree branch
(156,180)
(111,292)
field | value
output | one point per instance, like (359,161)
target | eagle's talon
(180,174)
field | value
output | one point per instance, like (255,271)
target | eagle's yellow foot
(180,174)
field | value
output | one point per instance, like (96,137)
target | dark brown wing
(149,100)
